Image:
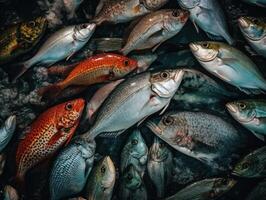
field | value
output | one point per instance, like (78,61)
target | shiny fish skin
(101,181)
(259,192)
(261,3)
(71,169)
(209,16)
(206,189)
(6,131)
(135,153)
(144,61)
(160,164)
(253,165)
(230,65)
(154,29)
(133,100)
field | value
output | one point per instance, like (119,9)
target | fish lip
(243,23)
(193,47)
(231,108)
(152,126)
(10,123)
(179,76)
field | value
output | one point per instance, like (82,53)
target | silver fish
(6,131)
(160,165)
(10,193)
(154,29)
(230,65)
(208,15)
(135,152)
(259,192)
(133,100)
(261,3)
(206,189)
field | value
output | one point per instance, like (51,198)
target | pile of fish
(173,108)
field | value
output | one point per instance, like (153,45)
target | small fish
(135,152)
(253,165)
(154,29)
(259,192)
(47,134)
(160,165)
(131,185)
(261,3)
(2,163)
(209,16)
(120,11)
(254,30)
(206,189)
(202,136)
(71,169)
(6,131)
(20,38)
(251,113)
(10,193)
(101,181)
(59,46)
(230,65)
(133,100)
(96,69)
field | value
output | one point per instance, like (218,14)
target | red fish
(48,133)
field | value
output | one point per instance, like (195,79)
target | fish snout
(243,23)
(179,76)
(194,47)
(231,108)
(10,123)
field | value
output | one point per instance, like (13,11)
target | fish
(96,69)
(160,165)
(2,163)
(252,165)
(135,152)
(251,113)
(261,3)
(144,61)
(51,130)
(206,189)
(101,181)
(131,185)
(195,134)
(20,38)
(61,45)
(209,16)
(71,168)
(121,11)
(230,65)
(134,100)
(7,131)
(10,193)
(254,30)
(259,192)
(154,29)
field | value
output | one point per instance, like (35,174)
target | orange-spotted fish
(48,133)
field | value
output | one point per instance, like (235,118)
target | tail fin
(17,71)
(49,92)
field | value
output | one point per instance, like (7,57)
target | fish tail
(17,71)
(51,91)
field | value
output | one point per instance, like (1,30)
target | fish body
(160,164)
(133,100)
(206,189)
(20,38)
(101,181)
(209,16)
(6,131)
(47,134)
(155,28)
(230,65)
(71,169)
(10,193)
(261,3)
(254,30)
(253,165)
(135,153)
(259,192)
(144,61)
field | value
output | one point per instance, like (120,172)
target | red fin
(55,138)
(50,92)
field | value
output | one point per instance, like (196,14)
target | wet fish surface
(6,131)
(261,3)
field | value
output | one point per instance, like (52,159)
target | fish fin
(17,71)
(111,134)
(63,70)
(71,54)
(99,7)
(164,109)
(50,91)
(141,121)
(196,26)
(156,46)
(259,136)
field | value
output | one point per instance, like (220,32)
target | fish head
(153,4)
(220,186)
(131,178)
(136,145)
(188,4)
(253,28)
(175,19)
(159,151)
(205,51)
(248,166)
(83,32)
(243,111)
(10,124)
(165,83)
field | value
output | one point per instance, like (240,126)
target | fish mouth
(179,76)
(231,108)
(10,124)
(153,127)
(193,47)
(243,23)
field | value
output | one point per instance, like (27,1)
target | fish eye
(175,13)
(31,23)
(134,142)
(245,165)
(69,106)
(103,169)
(242,106)
(84,26)
(206,45)
(168,120)
(165,75)
(126,62)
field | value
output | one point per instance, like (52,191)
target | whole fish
(47,134)
(206,189)
(154,29)
(131,185)
(259,192)
(10,193)
(261,3)
(209,16)
(135,152)
(119,11)
(133,100)
(96,69)
(254,30)
(20,38)
(203,136)
(160,164)
(251,113)
(59,46)
(253,165)
(101,181)
(71,169)
(6,131)
(230,65)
